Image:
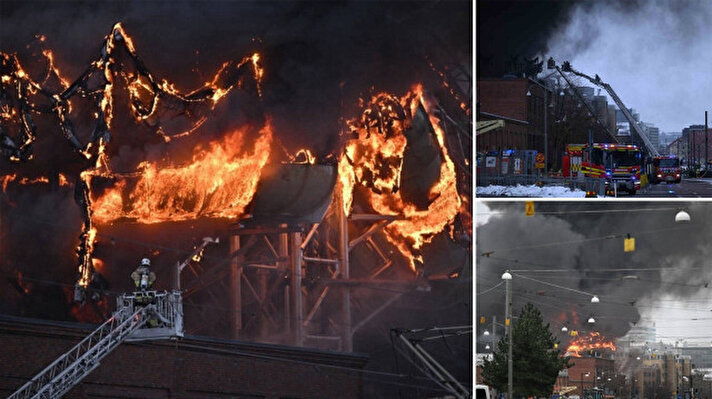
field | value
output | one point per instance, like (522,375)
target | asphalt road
(687,188)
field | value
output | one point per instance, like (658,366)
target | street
(687,188)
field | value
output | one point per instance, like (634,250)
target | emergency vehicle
(667,169)
(619,164)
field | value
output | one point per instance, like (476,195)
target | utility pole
(706,159)
(546,133)
(507,277)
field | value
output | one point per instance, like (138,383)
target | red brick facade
(523,115)
(598,370)
(191,368)
(506,97)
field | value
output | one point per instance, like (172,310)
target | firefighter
(143,277)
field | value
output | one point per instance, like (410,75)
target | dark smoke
(319,58)
(316,55)
(660,243)
(510,31)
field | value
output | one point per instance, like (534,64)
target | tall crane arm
(566,67)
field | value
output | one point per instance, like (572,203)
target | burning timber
(293,226)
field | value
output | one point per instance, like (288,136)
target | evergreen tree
(536,361)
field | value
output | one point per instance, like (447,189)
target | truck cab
(619,164)
(666,169)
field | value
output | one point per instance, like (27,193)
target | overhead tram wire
(583,240)
(624,269)
(490,289)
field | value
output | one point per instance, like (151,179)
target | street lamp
(682,217)
(582,375)
(507,277)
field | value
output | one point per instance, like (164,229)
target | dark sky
(508,29)
(310,48)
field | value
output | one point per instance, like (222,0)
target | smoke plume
(578,243)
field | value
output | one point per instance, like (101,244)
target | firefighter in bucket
(143,279)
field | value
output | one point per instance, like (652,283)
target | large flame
(219,182)
(375,161)
(593,340)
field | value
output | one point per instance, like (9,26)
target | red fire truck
(667,169)
(618,164)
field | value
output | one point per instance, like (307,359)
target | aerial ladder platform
(139,316)
(566,67)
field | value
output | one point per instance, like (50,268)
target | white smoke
(655,55)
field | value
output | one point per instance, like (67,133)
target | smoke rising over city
(655,54)
(580,245)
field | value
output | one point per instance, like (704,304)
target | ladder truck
(566,67)
(139,316)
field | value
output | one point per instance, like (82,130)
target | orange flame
(7,179)
(219,182)
(593,340)
(379,156)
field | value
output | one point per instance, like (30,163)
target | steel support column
(345,274)
(296,288)
(235,287)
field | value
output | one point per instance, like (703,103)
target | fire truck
(620,165)
(667,169)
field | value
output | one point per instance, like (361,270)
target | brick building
(679,148)
(194,367)
(506,99)
(694,135)
(587,373)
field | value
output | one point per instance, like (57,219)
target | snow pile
(530,191)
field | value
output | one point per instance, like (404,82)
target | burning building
(320,238)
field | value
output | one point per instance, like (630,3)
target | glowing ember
(375,161)
(593,340)
(219,183)
(7,179)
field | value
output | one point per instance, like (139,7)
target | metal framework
(292,283)
(433,368)
(161,311)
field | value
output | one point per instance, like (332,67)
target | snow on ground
(530,191)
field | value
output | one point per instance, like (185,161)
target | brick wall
(191,368)
(506,97)
(594,366)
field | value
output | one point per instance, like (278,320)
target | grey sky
(657,56)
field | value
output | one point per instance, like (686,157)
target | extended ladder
(162,311)
(566,67)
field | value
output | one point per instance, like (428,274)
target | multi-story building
(637,337)
(699,144)
(679,148)
(589,372)
(700,356)
(653,133)
(506,99)
(667,138)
